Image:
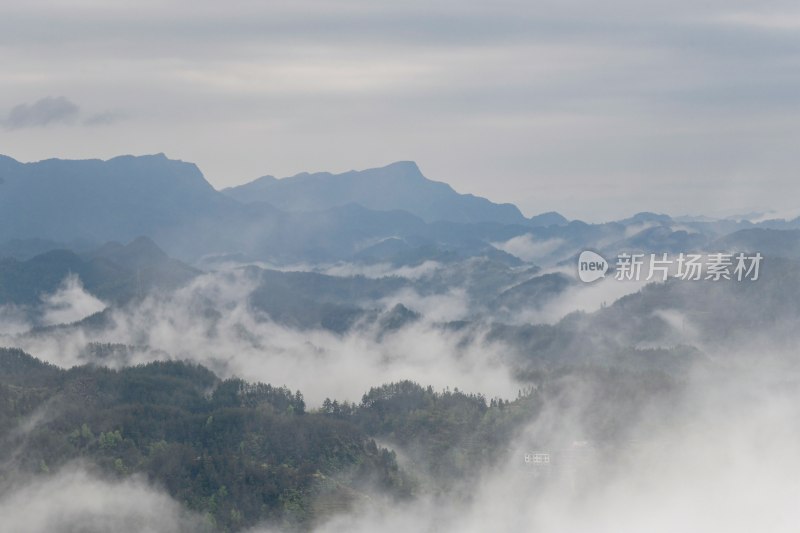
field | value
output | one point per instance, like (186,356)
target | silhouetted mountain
(663,239)
(23,282)
(551,218)
(400,185)
(99,201)
(45,204)
(113,272)
(646,217)
(391,214)
(771,242)
(139,253)
(24,249)
(312,300)
(261,232)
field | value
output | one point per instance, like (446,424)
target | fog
(528,248)
(717,453)
(381,270)
(69,303)
(210,322)
(587,297)
(342,268)
(74,500)
(722,457)
(13,320)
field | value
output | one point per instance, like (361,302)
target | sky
(596,109)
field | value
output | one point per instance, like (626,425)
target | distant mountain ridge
(398,186)
(392,214)
(99,201)
(47,204)
(114,272)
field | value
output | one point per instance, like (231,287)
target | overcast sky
(597,109)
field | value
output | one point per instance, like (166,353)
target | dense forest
(240,453)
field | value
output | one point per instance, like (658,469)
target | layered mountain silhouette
(399,186)
(391,214)
(311,217)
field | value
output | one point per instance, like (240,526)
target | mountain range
(391,214)
(398,186)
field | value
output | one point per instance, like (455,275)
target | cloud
(13,320)
(587,297)
(634,229)
(527,248)
(342,269)
(103,119)
(51,111)
(381,270)
(69,303)
(714,454)
(44,112)
(210,322)
(444,307)
(75,500)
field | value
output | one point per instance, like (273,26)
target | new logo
(591,266)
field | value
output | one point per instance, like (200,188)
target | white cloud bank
(69,303)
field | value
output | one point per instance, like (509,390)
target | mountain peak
(160,157)
(647,216)
(141,252)
(145,246)
(397,186)
(550,218)
(405,167)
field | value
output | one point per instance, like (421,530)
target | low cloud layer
(74,500)
(719,457)
(528,248)
(717,453)
(210,322)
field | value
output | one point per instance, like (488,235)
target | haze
(595,110)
